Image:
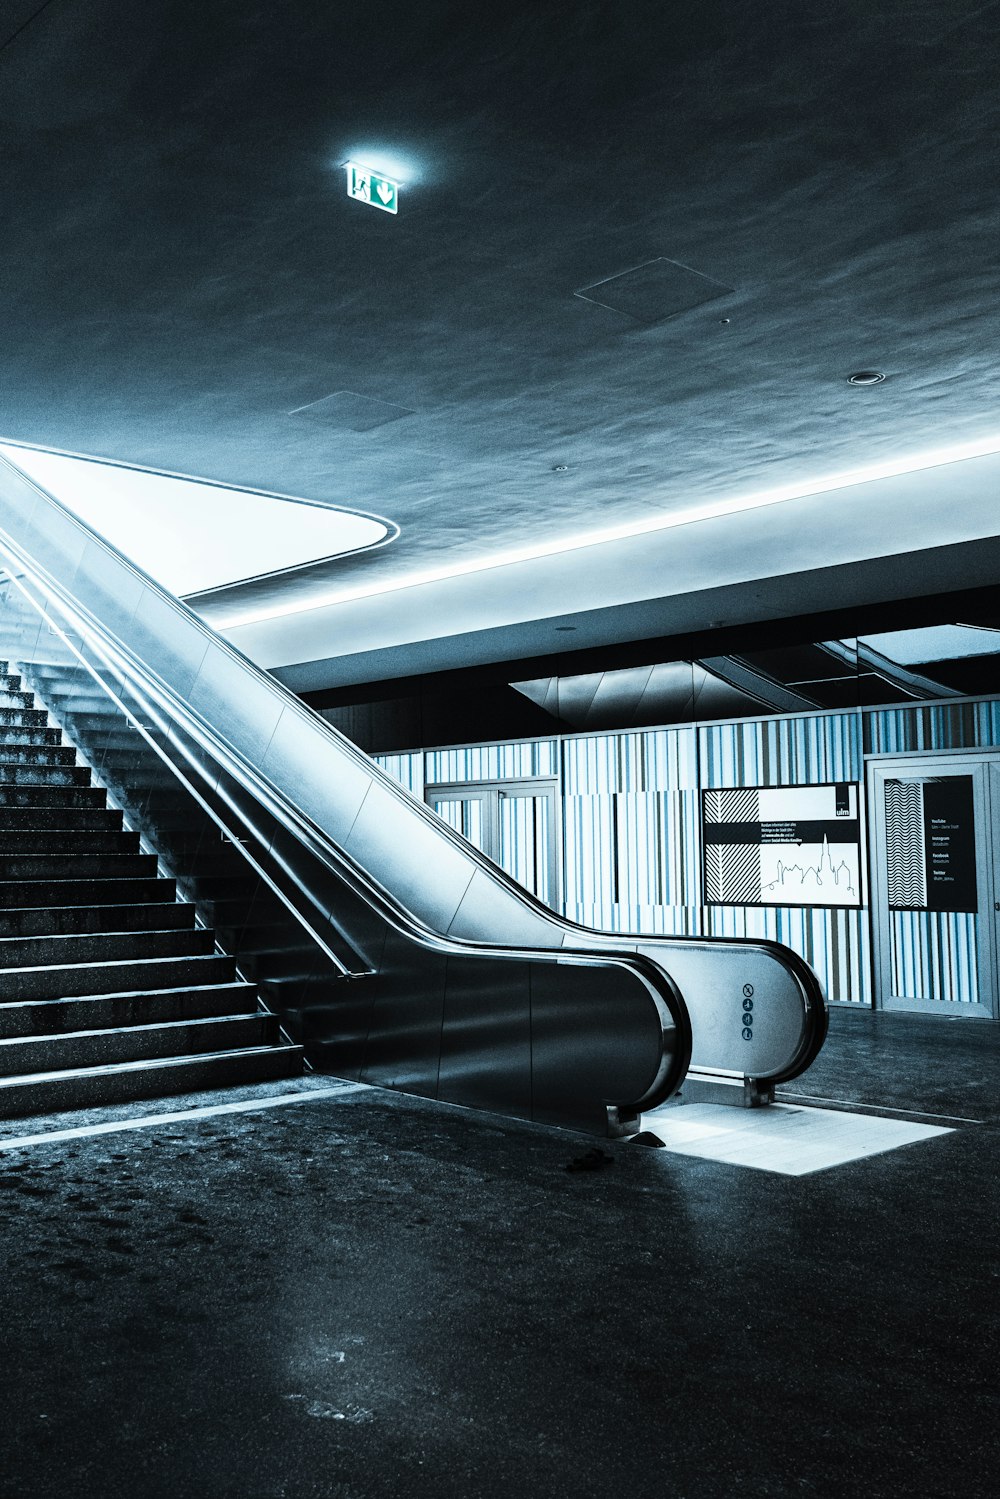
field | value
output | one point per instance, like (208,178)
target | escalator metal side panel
(626,1051)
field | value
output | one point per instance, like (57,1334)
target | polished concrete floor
(361,1294)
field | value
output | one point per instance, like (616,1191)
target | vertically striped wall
(491,762)
(408,770)
(936,726)
(630,829)
(782,751)
(804,751)
(631,854)
(933,954)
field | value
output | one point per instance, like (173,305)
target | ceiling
(151,517)
(809,188)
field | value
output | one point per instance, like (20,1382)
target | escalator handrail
(329,742)
(660,989)
(325,732)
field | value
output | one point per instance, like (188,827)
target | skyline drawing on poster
(782,846)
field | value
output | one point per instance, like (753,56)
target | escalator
(382,944)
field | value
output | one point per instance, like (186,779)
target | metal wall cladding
(801,751)
(630,818)
(804,751)
(632,833)
(938,726)
(637,761)
(408,770)
(934,954)
(626,852)
(488,762)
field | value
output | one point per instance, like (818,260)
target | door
(511,822)
(933,918)
(466,810)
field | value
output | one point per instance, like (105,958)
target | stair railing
(579,1036)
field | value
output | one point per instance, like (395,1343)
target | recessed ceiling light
(866,377)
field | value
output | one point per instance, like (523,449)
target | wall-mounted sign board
(782,846)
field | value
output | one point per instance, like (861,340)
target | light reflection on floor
(783,1137)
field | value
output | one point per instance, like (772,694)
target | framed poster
(930,844)
(782,845)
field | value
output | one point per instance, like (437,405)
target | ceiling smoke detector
(866,377)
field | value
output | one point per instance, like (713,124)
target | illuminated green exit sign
(367,186)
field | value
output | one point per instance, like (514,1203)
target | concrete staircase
(109,991)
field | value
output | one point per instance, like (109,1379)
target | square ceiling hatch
(656,290)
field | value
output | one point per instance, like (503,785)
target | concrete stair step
(22,1055)
(215,888)
(170,814)
(14,893)
(42,982)
(77,866)
(62,683)
(82,696)
(52,796)
(68,949)
(216,861)
(92,719)
(19,819)
(14,735)
(36,754)
(80,1088)
(43,1017)
(24,717)
(75,706)
(44,921)
(109,989)
(45,775)
(72,841)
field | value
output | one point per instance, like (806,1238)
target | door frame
(492,791)
(927,763)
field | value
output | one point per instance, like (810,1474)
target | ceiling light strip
(688,515)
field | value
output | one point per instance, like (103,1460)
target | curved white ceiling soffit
(195,535)
(925,501)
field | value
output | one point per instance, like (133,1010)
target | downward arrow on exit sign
(366,186)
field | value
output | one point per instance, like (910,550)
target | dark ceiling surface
(182,268)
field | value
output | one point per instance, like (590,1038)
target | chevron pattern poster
(905,856)
(782,846)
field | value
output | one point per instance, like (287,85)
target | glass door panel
(468,815)
(525,843)
(514,823)
(932,885)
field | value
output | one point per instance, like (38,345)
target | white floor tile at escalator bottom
(784,1138)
